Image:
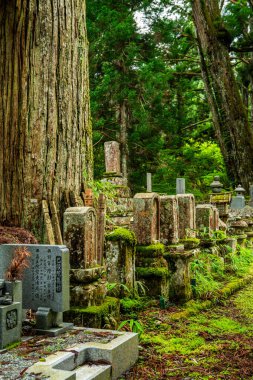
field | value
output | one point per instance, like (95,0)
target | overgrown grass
(211,271)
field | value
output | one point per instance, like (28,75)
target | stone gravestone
(80,236)
(86,276)
(45,283)
(180,186)
(187,216)
(149,183)
(207,216)
(146,218)
(169,219)
(112,157)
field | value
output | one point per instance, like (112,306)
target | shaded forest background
(147,90)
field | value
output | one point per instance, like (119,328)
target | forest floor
(213,344)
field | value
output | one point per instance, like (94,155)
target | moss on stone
(153,250)
(190,243)
(122,234)
(152,272)
(102,309)
(128,304)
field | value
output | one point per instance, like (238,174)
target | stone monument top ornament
(239,190)
(216,185)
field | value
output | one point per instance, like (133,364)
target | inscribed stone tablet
(46,281)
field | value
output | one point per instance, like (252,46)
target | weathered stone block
(180,284)
(85,295)
(10,324)
(169,219)
(112,157)
(207,216)
(146,218)
(80,236)
(187,215)
(156,281)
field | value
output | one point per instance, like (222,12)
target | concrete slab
(119,355)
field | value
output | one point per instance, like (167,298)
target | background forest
(147,90)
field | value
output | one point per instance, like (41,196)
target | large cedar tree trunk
(229,115)
(45,130)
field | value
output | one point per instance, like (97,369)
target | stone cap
(146,195)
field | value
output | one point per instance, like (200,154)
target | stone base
(95,316)
(55,331)
(75,363)
(156,281)
(85,295)
(180,283)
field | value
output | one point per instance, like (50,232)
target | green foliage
(156,74)
(132,325)
(240,261)
(207,269)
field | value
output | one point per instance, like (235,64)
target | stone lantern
(216,185)
(238,202)
(240,190)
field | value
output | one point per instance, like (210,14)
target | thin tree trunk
(123,120)
(229,117)
(45,133)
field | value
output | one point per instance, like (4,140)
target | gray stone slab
(46,281)
(180,186)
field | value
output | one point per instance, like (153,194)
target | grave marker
(112,157)
(46,280)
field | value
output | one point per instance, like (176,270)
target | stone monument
(187,215)
(45,283)
(169,219)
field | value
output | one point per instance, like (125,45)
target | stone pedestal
(169,219)
(120,260)
(180,289)
(146,218)
(187,216)
(152,269)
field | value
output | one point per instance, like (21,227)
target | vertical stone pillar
(251,195)
(180,186)
(149,183)
(101,227)
(112,157)
(187,216)
(80,236)
(146,218)
(120,258)
(169,219)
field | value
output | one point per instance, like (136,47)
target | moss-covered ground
(215,343)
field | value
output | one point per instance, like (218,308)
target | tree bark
(123,121)
(232,129)
(45,133)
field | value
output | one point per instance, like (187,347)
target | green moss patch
(153,250)
(152,272)
(122,234)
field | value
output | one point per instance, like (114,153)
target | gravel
(14,362)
